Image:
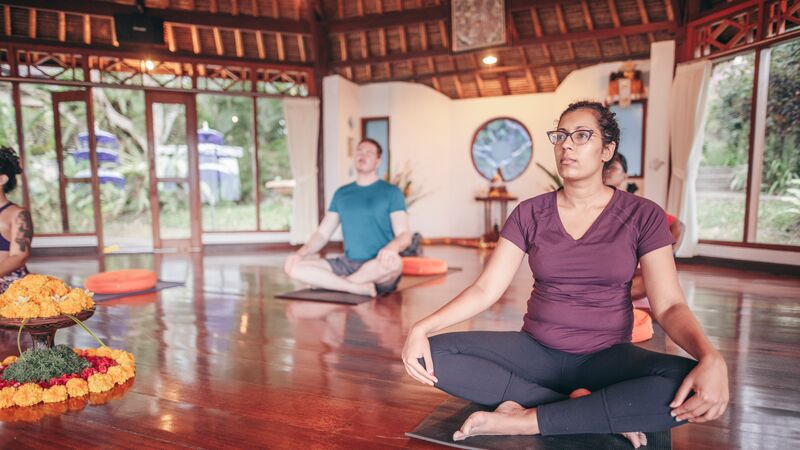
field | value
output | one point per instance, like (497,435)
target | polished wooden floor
(221,363)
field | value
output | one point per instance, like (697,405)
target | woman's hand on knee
(417,346)
(709,382)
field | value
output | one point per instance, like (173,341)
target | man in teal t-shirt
(375,229)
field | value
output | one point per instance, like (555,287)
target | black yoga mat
(159,286)
(325,295)
(440,425)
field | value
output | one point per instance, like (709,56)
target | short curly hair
(10,167)
(606,119)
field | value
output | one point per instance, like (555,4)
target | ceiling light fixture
(490,60)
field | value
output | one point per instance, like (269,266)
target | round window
(502,145)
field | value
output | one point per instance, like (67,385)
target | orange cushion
(642,326)
(121,281)
(417,265)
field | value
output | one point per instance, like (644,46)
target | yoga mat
(325,295)
(159,286)
(440,425)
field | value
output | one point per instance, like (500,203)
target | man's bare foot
(637,438)
(365,289)
(509,418)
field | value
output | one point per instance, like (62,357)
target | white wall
(433,134)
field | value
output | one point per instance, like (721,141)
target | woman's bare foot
(365,289)
(637,438)
(509,418)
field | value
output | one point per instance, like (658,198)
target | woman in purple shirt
(583,244)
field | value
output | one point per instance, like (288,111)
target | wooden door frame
(85,96)
(195,212)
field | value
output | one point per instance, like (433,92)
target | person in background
(16,226)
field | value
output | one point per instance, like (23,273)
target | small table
(491,230)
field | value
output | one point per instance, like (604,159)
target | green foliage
(42,365)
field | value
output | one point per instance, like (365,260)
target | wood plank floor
(221,363)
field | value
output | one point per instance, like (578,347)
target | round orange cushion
(642,326)
(121,281)
(417,265)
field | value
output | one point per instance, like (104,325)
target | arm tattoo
(25,231)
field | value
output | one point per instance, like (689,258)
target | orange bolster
(121,281)
(642,326)
(416,265)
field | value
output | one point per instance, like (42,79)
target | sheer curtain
(302,123)
(687,121)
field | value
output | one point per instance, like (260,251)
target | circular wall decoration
(502,144)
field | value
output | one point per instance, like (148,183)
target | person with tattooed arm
(16,227)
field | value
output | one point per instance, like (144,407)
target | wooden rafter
(423,36)
(403,39)
(176,16)
(260,45)
(302,47)
(612,7)
(170,36)
(254,7)
(537,24)
(562,27)
(7,20)
(235,7)
(587,17)
(62,27)
(218,41)
(281,50)
(670,11)
(459,87)
(517,68)
(443,32)
(604,33)
(436,84)
(528,73)
(196,49)
(237,39)
(408,17)
(645,17)
(504,84)
(32,24)
(87,30)
(275,11)
(478,83)
(554,75)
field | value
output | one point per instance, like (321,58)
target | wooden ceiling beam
(7,20)
(645,17)
(32,24)
(423,36)
(554,75)
(218,41)
(459,87)
(196,49)
(301,45)
(176,16)
(612,7)
(156,54)
(504,84)
(237,39)
(604,33)
(62,26)
(260,45)
(87,30)
(281,51)
(528,72)
(521,67)
(170,36)
(587,17)
(389,19)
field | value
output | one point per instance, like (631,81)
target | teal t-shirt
(364,212)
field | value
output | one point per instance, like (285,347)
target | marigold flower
(56,393)
(77,387)
(100,382)
(117,374)
(28,394)
(7,397)
(9,360)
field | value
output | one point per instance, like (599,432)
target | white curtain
(302,123)
(687,113)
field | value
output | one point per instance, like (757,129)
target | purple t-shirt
(581,299)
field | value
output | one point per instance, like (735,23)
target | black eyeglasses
(579,137)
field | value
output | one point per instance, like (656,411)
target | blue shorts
(343,266)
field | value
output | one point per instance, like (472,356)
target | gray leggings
(631,387)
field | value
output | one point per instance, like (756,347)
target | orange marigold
(77,387)
(28,394)
(7,397)
(53,394)
(9,360)
(100,382)
(117,374)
